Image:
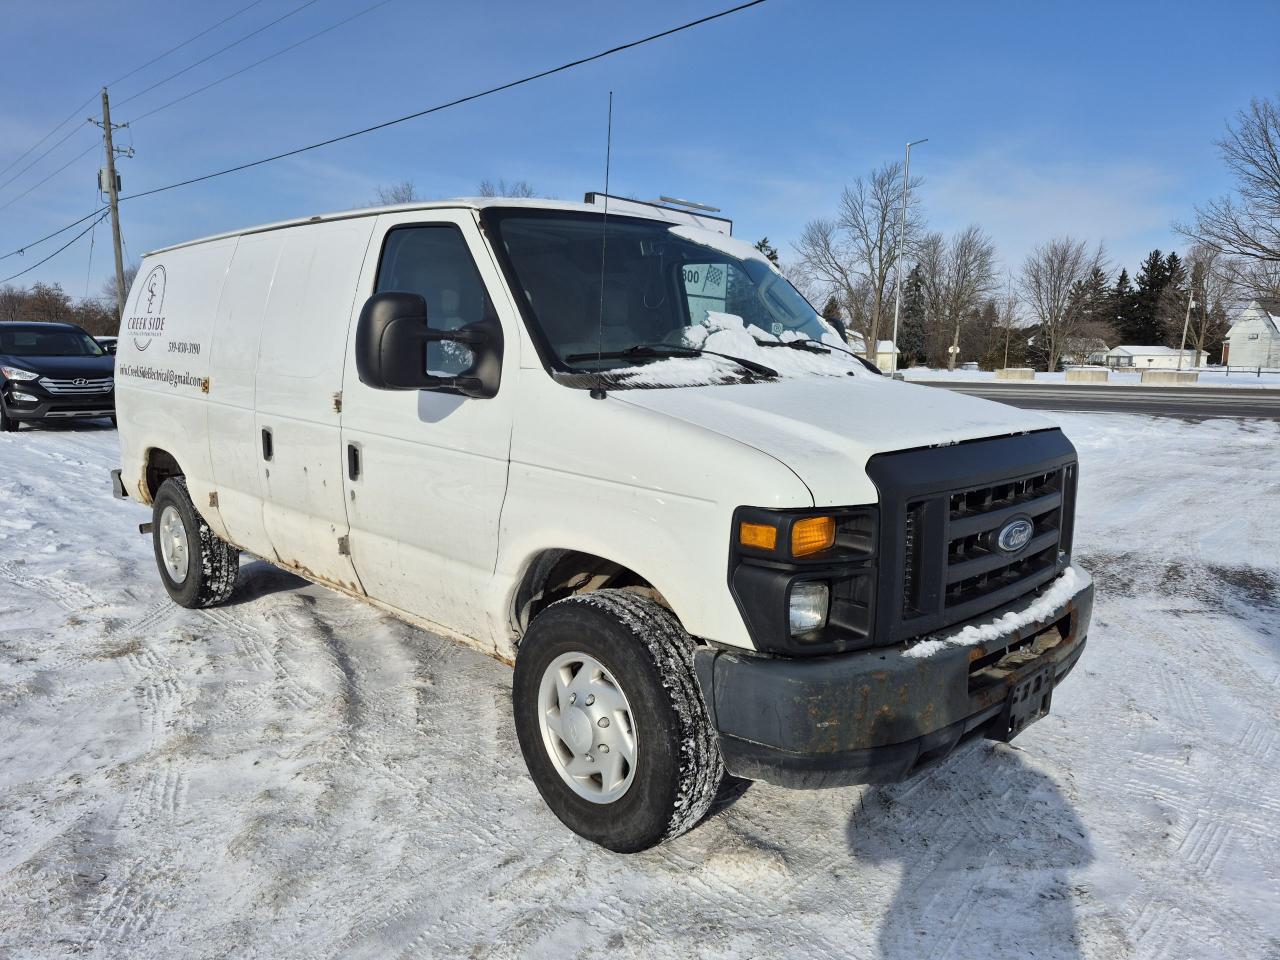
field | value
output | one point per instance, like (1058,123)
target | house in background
(1130,357)
(1078,351)
(1254,338)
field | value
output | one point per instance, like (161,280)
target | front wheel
(611,721)
(7,423)
(197,567)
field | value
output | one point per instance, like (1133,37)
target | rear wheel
(611,721)
(197,567)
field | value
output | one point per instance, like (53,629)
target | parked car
(53,371)
(108,344)
(644,471)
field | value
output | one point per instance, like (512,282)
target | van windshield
(33,342)
(677,303)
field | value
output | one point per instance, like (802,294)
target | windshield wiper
(809,345)
(645,351)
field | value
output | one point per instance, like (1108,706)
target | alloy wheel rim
(587,727)
(173,544)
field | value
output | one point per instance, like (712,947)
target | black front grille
(942,513)
(976,565)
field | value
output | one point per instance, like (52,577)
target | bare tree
(1247,225)
(853,255)
(519,189)
(12,301)
(956,276)
(1211,291)
(1052,275)
(402,192)
(108,291)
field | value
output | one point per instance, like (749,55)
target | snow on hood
(728,333)
(826,428)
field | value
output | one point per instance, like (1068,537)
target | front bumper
(879,715)
(23,401)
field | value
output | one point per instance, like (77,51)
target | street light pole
(897,264)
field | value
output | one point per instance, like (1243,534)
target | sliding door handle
(267,447)
(353,462)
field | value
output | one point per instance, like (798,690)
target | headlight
(808,605)
(14,373)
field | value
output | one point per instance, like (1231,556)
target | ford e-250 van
(625,455)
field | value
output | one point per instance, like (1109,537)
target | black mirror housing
(391,348)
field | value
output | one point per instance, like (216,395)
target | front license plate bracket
(1029,700)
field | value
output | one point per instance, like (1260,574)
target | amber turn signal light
(812,535)
(761,536)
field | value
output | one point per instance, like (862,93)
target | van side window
(434,261)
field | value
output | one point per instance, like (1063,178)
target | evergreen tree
(1146,328)
(832,309)
(1120,308)
(911,320)
(769,250)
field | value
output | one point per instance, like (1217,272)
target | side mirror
(392,337)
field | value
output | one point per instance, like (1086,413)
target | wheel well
(555,574)
(161,465)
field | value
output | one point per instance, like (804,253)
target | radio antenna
(604,228)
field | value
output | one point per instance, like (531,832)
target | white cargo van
(625,455)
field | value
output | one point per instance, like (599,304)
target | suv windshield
(664,286)
(30,342)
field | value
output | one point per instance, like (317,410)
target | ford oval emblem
(1015,535)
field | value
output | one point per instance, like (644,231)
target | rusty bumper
(877,715)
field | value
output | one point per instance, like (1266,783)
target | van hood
(63,368)
(826,428)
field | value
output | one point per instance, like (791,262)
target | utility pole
(1186,321)
(113,195)
(897,264)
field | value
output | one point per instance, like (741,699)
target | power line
(36,243)
(258,63)
(71,133)
(56,252)
(389,123)
(218,52)
(175,49)
(452,103)
(76,112)
(10,202)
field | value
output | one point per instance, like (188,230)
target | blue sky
(1093,119)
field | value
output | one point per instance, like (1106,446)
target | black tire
(212,563)
(7,423)
(678,768)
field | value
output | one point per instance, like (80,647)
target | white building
(1254,339)
(1153,358)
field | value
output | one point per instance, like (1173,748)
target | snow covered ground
(1208,378)
(298,775)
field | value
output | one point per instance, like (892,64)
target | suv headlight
(16,373)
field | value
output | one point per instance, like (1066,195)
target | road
(1186,403)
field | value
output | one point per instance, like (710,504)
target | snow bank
(1072,581)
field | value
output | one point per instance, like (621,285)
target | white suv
(624,454)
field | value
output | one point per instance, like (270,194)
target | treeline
(49,303)
(1064,303)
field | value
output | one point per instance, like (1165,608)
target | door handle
(267,447)
(353,462)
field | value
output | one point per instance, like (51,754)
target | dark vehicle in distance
(53,371)
(108,344)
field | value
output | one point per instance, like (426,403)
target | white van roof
(466,203)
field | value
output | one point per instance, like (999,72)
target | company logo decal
(147,321)
(79,381)
(1015,535)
